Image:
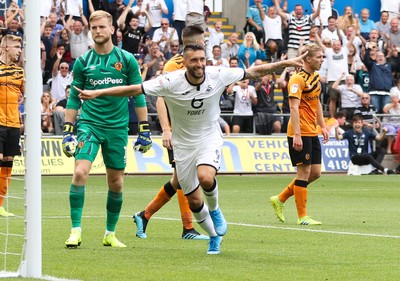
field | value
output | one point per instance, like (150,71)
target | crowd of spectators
(361,56)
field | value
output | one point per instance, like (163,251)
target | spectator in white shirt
(164,35)
(155,8)
(331,32)
(217,60)
(216,37)
(272,24)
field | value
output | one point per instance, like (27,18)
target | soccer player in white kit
(192,97)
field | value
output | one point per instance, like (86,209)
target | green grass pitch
(358,240)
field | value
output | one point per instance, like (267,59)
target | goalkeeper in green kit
(102,122)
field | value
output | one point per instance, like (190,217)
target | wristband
(68,128)
(144,126)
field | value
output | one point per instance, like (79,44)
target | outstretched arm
(119,91)
(265,69)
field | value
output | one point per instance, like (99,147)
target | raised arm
(90,6)
(57,63)
(319,42)
(149,21)
(337,82)
(280,12)
(317,12)
(122,17)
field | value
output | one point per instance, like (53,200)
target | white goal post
(32,261)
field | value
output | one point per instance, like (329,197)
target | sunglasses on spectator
(165,24)
(64,67)
(174,45)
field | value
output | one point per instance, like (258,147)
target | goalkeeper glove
(69,141)
(143,142)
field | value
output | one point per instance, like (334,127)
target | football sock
(5,178)
(76,201)
(203,218)
(160,200)
(114,203)
(287,192)
(186,214)
(300,195)
(211,196)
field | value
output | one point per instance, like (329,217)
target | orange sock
(186,214)
(300,195)
(287,192)
(5,177)
(160,200)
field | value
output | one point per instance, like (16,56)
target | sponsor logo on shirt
(294,88)
(105,81)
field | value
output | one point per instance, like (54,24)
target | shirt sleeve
(231,75)
(157,87)
(295,87)
(74,101)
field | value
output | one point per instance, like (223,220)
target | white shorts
(187,161)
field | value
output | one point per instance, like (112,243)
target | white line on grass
(260,226)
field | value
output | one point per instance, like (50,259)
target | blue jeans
(379,101)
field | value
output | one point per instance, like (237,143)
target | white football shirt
(194,109)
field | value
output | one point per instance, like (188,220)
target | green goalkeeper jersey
(93,71)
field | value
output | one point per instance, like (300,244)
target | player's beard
(196,72)
(101,40)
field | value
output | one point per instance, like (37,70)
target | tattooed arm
(261,70)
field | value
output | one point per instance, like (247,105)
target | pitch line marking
(258,226)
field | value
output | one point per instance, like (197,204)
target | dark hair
(234,58)
(193,47)
(338,115)
(216,47)
(332,17)
(357,117)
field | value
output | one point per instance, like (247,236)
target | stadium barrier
(241,154)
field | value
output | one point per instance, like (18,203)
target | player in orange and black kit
(11,85)
(304,145)
(190,35)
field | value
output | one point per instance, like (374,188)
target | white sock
(77,228)
(204,220)
(108,232)
(211,197)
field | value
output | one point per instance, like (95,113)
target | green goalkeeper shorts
(113,143)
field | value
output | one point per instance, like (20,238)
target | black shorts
(311,153)
(171,158)
(244,122)
(10,141)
